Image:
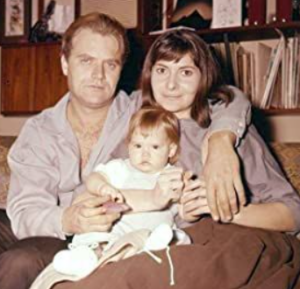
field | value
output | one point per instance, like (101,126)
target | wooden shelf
(281,111)
(245,33)
(248,33)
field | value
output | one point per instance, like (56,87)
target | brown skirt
(221,256)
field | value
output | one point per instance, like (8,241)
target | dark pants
(21,261)
(221,256)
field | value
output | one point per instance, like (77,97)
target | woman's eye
(187,72)
(160,70)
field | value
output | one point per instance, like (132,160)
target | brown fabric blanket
(221,256)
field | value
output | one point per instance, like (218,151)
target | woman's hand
(168,187)
(193,202)
(221,172)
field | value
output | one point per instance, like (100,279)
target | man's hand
(87,214)
(168,187)
(193,202)
(225,191)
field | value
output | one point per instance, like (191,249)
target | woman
(222,256)
(174,66)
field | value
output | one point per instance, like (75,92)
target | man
(57,149)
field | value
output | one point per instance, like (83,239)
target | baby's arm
(97,184)
(168,189)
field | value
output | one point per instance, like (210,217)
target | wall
(284,127)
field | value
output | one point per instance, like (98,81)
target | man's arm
(225,192)
(40,189)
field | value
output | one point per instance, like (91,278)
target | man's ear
(64,65)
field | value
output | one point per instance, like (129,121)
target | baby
(146,185)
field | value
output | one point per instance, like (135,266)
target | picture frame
(227,13)
(58,22)
(15,21)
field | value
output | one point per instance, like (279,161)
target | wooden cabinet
(31,78)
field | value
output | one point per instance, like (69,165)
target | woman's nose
(171,81)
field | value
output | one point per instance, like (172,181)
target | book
(284,10)
(275,61)
(257,10)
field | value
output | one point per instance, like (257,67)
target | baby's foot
(79,261)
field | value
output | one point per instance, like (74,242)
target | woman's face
(175,85)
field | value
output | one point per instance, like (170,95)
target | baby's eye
(155,147)
(138,146)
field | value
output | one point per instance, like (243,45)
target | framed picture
(15,21)
(227,13)
(65,12)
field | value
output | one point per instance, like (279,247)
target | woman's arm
(271,216)
(221,171)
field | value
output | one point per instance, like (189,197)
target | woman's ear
(64,65)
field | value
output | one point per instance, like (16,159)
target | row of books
(268,74)
(259,11)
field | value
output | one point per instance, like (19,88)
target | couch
(287,154)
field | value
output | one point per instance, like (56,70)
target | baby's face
(150,151)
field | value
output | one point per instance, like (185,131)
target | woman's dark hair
(172,46)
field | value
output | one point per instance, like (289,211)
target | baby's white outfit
(81,259)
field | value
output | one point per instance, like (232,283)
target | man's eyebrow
(83,55)
(118,61)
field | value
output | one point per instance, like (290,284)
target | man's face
(150,152)
(93,69)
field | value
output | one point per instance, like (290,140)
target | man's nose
(98,71)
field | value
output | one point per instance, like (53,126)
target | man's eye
(85,60)
(112,65)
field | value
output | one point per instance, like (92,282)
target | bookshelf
(243,33)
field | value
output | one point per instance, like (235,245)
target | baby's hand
(169,186)
(109,190)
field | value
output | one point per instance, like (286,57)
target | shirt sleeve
(264,179)
(33,193)
(234,117)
